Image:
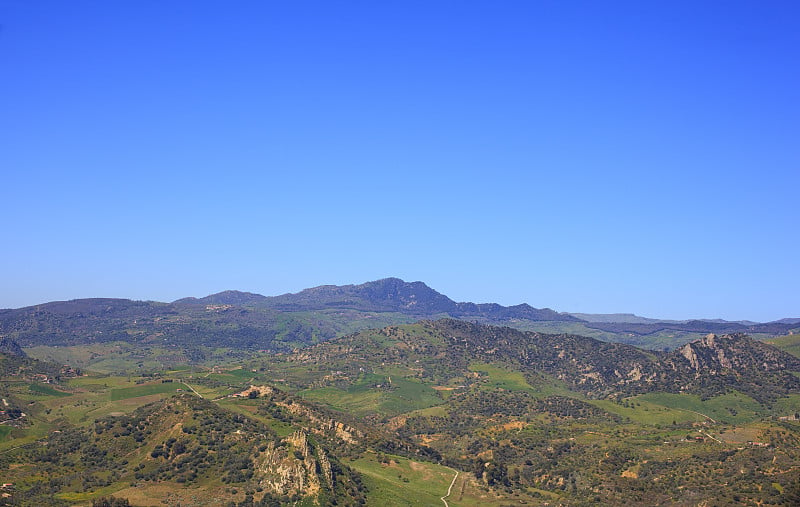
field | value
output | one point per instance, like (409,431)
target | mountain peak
(384,295)
(410,298)
(408,295)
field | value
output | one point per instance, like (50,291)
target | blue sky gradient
(584,156)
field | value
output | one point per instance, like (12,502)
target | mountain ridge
(598,369)
(388,294)
(248,320)
(395,294)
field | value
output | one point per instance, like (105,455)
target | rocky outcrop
(713,354)
(325,425)
(295,467)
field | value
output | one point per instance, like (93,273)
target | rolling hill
(408,414)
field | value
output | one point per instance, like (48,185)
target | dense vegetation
(190,442)
(403,414)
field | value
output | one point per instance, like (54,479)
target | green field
(731,408)
(124,358)
(665,339)
(146,390)
(99,382)
(666,408)
(112,357)
(241,373)
(46,390)
(380,394)
(648,413)
(500,377)
(397,481)
(787,406)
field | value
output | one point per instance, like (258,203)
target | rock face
(325,425)
(714,354)
(717,364)
(291,468)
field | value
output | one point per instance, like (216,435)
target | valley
(410,412)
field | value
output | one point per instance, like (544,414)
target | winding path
(712,438)
(450,489)
(193,390)
(698,413)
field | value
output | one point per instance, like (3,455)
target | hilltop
(194,443)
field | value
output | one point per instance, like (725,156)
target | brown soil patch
(169,494)
(397,422)
(427,439)
(262,391)
(140,400)
(513,425)
(740,435)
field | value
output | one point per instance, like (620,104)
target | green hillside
(409,414)
(789,343)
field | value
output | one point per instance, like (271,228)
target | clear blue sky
(584,156)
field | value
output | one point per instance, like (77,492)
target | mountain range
(253,321)
(386,295)
(375,395)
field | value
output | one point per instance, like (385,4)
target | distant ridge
(385,295)
(228,297)
(388,294)
(695,326)
(627,318)
(396,295)
(246,320)
(411,298)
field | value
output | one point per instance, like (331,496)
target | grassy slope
(79,402)
(789,343)
(137,391)
(400,482)
(381,394)
(500,377)
(666,339)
